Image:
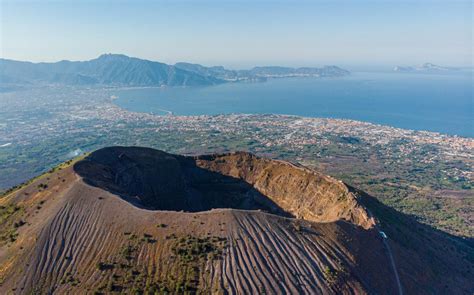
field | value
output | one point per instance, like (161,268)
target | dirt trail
(390,255)
(140,220)
(394,267)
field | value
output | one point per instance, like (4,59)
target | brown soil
(137,220)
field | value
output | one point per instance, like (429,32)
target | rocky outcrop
(303,193)
(138,220)
(161,181)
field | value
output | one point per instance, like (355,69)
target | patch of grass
(297,226)
(330,275)
(127,251)
(19,224)
(10,220)
(104,266)
(191,248)
(147,238)
(70,279)
(42,186)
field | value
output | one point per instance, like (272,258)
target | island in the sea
(426,67)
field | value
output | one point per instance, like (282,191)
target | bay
(432,102)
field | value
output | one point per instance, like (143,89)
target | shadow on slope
(428,260)
(156,180)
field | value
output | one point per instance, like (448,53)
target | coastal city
(409,170)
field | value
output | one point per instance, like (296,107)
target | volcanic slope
(138,220)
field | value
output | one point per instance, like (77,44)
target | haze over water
(432,102)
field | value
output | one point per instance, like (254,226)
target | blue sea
(432,102)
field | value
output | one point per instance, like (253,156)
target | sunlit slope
(140,220)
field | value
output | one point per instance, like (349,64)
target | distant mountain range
(426,67)
(118,69)
(108,69)
(262,73)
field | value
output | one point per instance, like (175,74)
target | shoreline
(168,112)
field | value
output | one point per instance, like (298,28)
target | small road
(390,255)
(394,268)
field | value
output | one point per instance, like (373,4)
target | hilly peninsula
(122,70)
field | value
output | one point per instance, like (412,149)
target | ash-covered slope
(138,220)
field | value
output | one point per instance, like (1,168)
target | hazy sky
(241,33)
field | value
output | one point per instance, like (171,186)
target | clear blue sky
(241,33)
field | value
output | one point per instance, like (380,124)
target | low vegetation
(189,253)
(192,249)
(10,221)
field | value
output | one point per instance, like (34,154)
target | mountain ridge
(119,69)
